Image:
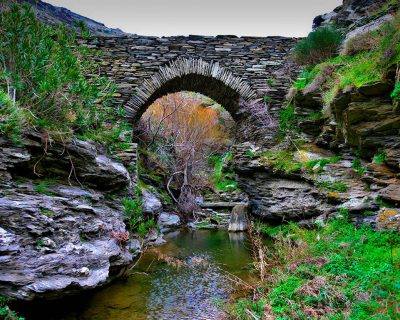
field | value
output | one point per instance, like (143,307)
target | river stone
(167,221)
(151,204)
(238,221)
(355,205)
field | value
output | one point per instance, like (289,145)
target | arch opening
(207,86)
(209,79)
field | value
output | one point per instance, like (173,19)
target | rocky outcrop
(274,196)
(356,13)
(306,194)
(56,237)
(367,121)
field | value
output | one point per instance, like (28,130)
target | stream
(186,278)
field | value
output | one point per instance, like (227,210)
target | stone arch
(196,75)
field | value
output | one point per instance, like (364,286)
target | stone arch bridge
(228,69)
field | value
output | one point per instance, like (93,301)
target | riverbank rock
(55,238)
(167,221)
(238,221)
(274,196)
(308,194)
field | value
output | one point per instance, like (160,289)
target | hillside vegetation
(363,59)
(49,83)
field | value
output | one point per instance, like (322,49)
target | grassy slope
(336,271)
(357,69)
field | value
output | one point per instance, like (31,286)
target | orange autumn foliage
(185,117)
(183,131)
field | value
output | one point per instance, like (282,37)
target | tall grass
(336,271)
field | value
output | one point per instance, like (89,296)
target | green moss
(305,78)
(250,153)
(281,160)
(47,212)
(42,186)
(338,186)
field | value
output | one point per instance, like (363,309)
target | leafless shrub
(122,237)
(183,133)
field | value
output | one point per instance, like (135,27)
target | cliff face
(60,219)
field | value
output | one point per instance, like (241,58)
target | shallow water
(190,285)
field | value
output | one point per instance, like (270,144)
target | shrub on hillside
(45,73)
(319,45)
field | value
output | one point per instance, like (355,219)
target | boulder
(151,204)
(167,221)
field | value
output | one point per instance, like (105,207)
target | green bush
(5,312)
(358,167)
(380,157)
(319,45)
(133,212)
(145,226)
(12,118)
(49,73)
(338,186)
(223,175)
(287,120)
(321,163)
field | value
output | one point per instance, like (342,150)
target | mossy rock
(389,219)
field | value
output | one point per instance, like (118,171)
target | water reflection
(160,290)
